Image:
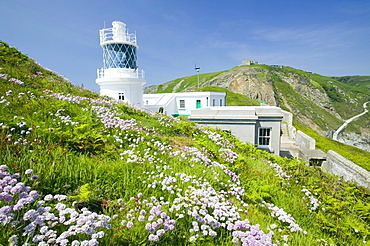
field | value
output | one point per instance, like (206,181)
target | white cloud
(324,37)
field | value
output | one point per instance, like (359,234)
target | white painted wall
(171,101)
(131,87)
(243,122)
(349,171)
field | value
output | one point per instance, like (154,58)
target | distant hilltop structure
(249,62)
(120,77)
(254,62)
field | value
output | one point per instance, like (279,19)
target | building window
(146,102)
(213,102)
(264,136)
(182,103)
(198,105)
(207,101)
(220,102)
(121,96)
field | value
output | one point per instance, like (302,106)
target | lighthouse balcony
(116,35)
(110,73)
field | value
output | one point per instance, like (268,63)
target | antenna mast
(197,69)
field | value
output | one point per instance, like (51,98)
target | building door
(199,105)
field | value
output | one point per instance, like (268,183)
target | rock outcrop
(248,82)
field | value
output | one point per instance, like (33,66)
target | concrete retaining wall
(287,117)
(304,141)
(349,171)
(292,131)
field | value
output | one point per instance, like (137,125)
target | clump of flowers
(313,201)
(228,155)
(149,212)
(14,80)
(279,171)
(217,138)
(29,215)
(282,216)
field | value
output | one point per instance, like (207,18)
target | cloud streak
(325,37)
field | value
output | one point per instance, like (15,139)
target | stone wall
(349,171)
(304,141)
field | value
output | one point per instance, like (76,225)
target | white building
(181,104)
(120,77)
(259,125)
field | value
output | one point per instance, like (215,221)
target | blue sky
(328,37)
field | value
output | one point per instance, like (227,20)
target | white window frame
(182,103)
(264,137)
(121,96)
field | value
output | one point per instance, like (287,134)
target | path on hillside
(336,133)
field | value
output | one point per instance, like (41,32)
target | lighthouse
(120,77)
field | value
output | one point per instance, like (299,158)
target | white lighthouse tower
(120,77)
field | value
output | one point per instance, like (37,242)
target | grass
(360,82)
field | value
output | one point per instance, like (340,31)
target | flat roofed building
(259,125)
(181,104)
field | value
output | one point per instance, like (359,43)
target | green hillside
(360,82)
(79,169)
(184,84)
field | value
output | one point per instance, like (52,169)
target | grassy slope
(98,151)
(361,82)
(346,97)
